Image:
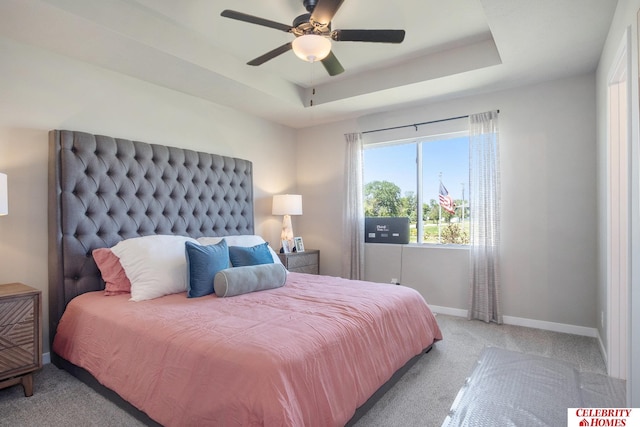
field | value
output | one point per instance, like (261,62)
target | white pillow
(156,265)
(244,240)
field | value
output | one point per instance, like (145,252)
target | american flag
(445,200)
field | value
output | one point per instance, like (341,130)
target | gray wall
(42,91)
(548,167)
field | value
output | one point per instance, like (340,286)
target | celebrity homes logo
(603,417)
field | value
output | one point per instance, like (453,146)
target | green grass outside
(430,232)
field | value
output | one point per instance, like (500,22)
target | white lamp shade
(4,196)
(311,47)
(287,204)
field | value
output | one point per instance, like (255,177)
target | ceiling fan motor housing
(302,25)
(302,21)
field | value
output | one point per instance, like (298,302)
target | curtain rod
(415,125)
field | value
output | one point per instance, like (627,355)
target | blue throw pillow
(203,262)
(243,256)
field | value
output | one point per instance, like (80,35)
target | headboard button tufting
(150,189)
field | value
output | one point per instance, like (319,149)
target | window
(399,176)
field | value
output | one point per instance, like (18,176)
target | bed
(310,351)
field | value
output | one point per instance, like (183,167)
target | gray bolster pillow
(241,280)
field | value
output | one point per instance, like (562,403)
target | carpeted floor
(422,397)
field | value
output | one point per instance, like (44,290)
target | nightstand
(20,335)
(302,262)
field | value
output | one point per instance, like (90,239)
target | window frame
(434,133)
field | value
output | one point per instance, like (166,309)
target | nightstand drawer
(309,269)
(302,262)
(17,334)
(18,359)
(20,335)
(16,311)
(302,259)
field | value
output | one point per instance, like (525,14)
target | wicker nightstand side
(20,335)
(302,262)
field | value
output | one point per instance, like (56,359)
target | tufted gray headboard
(103,190)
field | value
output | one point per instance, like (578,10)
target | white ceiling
(452,48)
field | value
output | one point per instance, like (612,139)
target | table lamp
(287,205)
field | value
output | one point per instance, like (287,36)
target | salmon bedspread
(306,354)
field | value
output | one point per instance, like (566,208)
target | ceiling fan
(314,34)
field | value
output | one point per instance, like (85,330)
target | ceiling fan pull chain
(311,83)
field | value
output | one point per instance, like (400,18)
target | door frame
(618,198)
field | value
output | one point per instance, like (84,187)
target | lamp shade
(4,196)
(287,204)
(311,47)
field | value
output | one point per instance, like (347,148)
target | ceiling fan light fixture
(311,47)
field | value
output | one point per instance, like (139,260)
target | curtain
(353,220)
(484,194)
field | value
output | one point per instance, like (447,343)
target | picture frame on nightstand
(286,248)
(297,241)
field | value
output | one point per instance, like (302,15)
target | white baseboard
(551,326)
(46,358)
(529,323)
(458,312)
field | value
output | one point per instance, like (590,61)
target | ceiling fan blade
(324,11)
(375,36)
(255,20)
(332,65)
(271,54)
